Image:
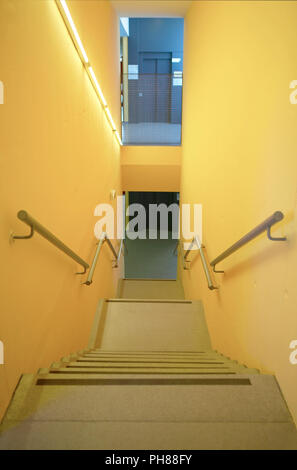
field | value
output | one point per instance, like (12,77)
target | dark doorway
(152,258)
(147,198)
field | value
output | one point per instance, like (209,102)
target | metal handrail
(104,238)
(37,227)
(197,242)
(178,244)
(200,247)
(264,226)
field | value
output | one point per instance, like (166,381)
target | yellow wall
(151,168)
(239,160)
(58,160)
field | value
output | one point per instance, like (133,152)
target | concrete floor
(150,259)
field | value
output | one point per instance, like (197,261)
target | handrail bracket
(215,271)
(278,239)
(84,271)
(24,237)
(35,226)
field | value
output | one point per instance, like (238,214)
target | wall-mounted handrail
(200,247)
(264,226)
(104,238)
(179,245)
(37,227)
(120,251)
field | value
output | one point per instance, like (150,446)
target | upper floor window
(152,78)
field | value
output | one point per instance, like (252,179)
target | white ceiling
(151,8)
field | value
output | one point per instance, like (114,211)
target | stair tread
(150,288)
(143,435)
(153,371)
(217,398)
(140,376)
(135,365)
(136,352)
(150,300)
(96,372)
(148,362)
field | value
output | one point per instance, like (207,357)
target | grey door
(154,87)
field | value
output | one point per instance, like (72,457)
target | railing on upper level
(264,226)
(44,232)
(152,109)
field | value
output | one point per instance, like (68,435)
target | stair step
(43,370)
(105,378)
(123,435)
(153,354)
(150,301)
(91,372)
(161,353)
(149,365)
(204,399)
(218,409)
(153,370)
(157,368)
(69,358)
(153,360)
(150,288)
(133,326)
(91,362)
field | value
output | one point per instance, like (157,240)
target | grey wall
(156,35)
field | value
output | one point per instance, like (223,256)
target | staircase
(150,289)
(148,380)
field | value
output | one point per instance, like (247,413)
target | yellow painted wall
(151,168)
(58,160)
(239,160)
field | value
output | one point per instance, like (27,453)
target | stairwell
(149,379)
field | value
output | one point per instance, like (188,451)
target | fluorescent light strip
(110,118)
(90,69)
(118,137)
(74,30)
(103,100)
